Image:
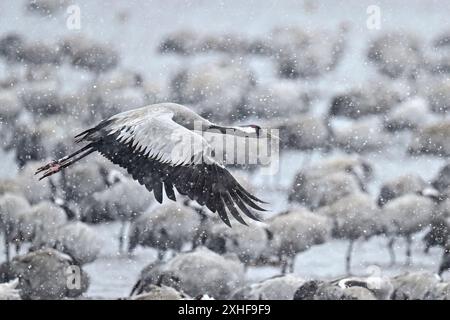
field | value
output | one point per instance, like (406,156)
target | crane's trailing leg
(57,165)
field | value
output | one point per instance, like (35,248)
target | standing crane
(161,147)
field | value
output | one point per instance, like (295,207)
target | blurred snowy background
(362,105)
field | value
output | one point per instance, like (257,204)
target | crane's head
(250,130)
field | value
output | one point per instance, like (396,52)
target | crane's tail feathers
(57,165)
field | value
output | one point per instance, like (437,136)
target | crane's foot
(50,169)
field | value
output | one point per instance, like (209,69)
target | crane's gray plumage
(154,144)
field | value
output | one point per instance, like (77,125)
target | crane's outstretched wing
(161,154)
